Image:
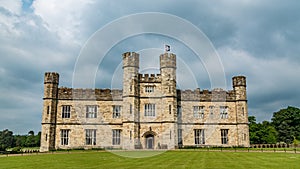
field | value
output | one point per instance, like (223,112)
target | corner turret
(239,86)
(51,81)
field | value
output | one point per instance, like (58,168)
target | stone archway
(149,139)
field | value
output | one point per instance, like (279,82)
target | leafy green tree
(6,139)
(261,133)
(20,140)
(252,130)
(287,123)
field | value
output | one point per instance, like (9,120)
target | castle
(148,113)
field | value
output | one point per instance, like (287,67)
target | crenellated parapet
(89,94)
(206,95)
(167,60)
(51,78)
(149,78)
(130,59)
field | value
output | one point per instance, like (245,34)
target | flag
(167,48)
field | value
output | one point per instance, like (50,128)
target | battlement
(239,81)
(167,60)
(51,77)
(130,59)
(150,78)
(206,95)
(65,93)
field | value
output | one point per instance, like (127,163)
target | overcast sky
(256,38)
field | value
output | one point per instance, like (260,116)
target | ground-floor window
(64,136)
(180,137)
(116,137)
(199,136)
(90,137)
(224,136)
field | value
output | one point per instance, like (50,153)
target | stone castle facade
(148,113)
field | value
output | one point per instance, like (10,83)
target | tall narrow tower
(130,108)
(169,95)
(239,87)
(51,81)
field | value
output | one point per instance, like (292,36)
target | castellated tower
(168,73)
(51,81)
(239,87)
(168,89)
(130,99)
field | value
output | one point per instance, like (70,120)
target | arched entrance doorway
(150,141)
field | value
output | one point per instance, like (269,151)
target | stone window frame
(198,112)
(244,136)
(130,108)
(199,136)
(224,136)
(90,136)
(116,136)
(66,111)
(180,140)
(64,137)
(149,109)
(149,88)
(211,111)
(243,111)
(48,109)
(91,111)
(224,112)
(117,111)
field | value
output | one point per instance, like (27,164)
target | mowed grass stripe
(170,159)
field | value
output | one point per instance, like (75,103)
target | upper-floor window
(198,111)
(48,109)
(66,111)
(149,109)
(243,111)
(211,111)
(149,89)
(130,108)
(223,112)
(116,111)
(91,111)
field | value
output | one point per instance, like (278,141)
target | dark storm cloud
(259,39)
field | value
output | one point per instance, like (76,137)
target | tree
(261,133)
(287,123)
(20,140)
(6,139)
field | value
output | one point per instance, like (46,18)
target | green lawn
(170,159)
